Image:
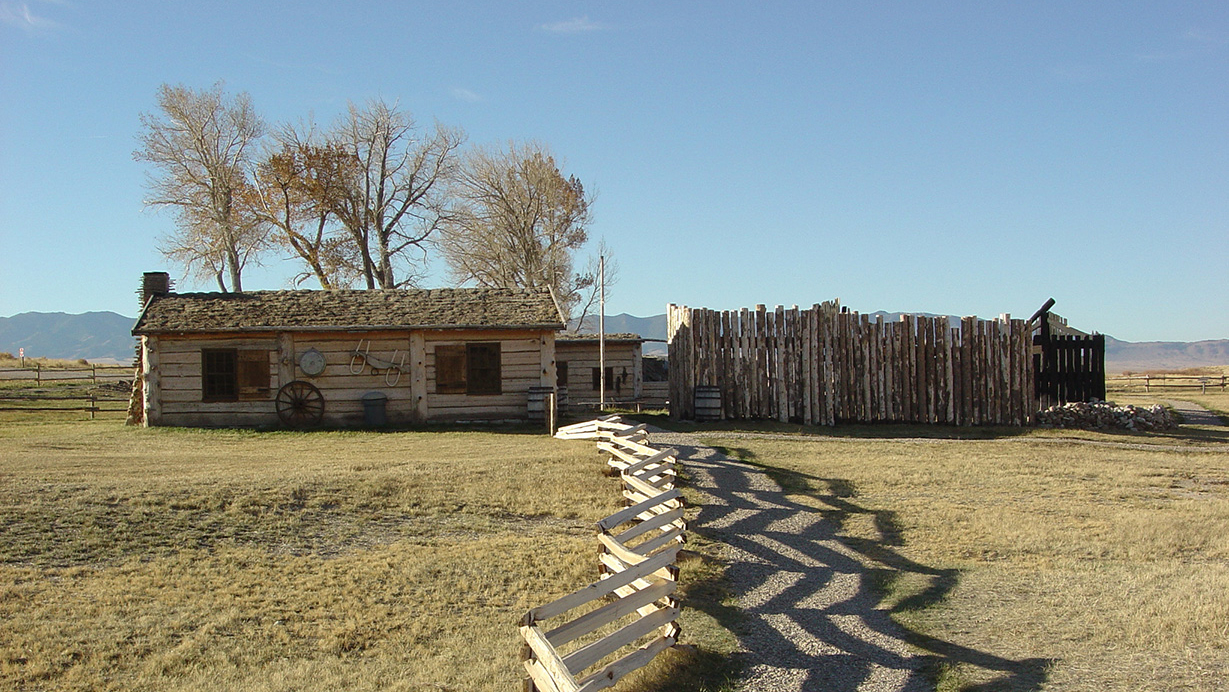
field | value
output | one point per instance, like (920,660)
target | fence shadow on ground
(1185,433)
(812,615)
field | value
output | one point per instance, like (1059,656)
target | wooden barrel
(708,403)
(538,398)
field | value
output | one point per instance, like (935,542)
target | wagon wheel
(300,404)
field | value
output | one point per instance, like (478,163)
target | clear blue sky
(957,158)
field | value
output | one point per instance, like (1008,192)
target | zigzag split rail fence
(821,365)
(631,607)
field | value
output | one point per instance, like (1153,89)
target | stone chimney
(154,284)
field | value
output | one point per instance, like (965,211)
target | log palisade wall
(173,389)
(820,366)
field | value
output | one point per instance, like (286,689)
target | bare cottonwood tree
(518,222)
(201,144)
(296,188)
(393,195)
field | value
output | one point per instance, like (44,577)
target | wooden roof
(569,338)
(490,308)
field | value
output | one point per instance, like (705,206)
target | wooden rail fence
(632,604)
(1126,383)
(820,365)
(89,404)
(93,373)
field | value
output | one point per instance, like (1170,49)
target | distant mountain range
(106,336)
(95,336)
(1127,356)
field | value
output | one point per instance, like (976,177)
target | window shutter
(254,375)
(450,369)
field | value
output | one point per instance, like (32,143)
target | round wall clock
(312,362)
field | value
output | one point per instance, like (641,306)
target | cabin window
(468,369)
(610,379)
(561,373)
(655,370)
(229,374)
(219,374)
(484,370)
(253,375)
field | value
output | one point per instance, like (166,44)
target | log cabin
(343,357)
(577,365)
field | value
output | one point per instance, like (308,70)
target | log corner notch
(639,546)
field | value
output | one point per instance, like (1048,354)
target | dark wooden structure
(1070,366)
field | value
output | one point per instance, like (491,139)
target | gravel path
(812,618)
(1194,414)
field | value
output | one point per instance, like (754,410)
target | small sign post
(21,353)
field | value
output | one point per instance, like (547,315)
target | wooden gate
(1070,367)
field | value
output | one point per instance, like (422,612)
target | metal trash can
(375,408)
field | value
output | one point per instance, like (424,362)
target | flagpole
(601,330)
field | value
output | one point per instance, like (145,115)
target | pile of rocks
(1101,415)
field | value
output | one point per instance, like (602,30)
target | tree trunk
(386,266)
(368,266)
(232,260)
(322,276)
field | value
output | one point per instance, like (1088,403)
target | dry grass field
(170,559)
(62,390)
(1034,562)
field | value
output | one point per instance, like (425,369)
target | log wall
(526,360)
(821,366)
(173,391)
(582,358)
